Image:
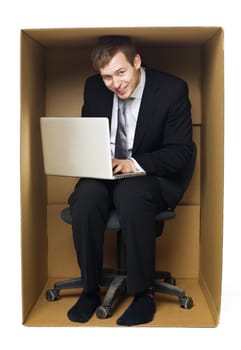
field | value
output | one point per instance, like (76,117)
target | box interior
(54,66)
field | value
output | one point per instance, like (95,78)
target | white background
(16,15)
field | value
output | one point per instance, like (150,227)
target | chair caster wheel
(186,302)
(103,312)
(52,295)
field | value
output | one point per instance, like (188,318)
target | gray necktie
(121,145)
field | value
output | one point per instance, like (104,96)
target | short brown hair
(107,46)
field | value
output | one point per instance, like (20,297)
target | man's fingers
(122,166)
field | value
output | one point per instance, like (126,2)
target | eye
(107,78)
(121,72)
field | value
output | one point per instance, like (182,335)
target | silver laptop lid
(78,147)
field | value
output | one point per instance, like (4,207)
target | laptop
(78,147)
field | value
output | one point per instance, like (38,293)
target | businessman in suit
(157,139)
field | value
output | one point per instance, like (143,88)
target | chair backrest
(66,215)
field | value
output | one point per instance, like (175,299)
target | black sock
(141,310)
(85,306)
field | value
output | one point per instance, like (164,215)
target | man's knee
(139,192)
(88,192)
(130,194)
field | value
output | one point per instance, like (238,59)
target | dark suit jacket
(163,136)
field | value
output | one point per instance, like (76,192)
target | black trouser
(137,200)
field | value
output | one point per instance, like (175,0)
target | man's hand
(123,166)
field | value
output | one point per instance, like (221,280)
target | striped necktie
(121,145)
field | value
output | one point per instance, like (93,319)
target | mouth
(121,92)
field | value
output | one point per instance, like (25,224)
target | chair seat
(113,220)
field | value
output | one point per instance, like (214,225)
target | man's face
(120,76)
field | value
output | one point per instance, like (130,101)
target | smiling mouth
(121,92)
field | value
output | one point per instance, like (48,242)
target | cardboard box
(54,65)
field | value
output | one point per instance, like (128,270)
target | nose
(116,82)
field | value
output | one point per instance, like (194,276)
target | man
(157,139)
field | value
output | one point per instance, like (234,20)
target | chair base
(116,283)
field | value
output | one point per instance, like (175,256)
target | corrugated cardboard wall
(33,181)
(212,170)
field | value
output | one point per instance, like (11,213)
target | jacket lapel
(146,109)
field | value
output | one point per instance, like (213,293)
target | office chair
(116,280)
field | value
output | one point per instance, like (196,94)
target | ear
(137,61)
